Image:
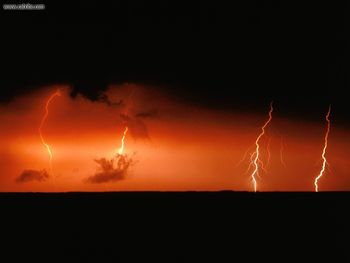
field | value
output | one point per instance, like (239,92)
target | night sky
(236,57)
(139,128)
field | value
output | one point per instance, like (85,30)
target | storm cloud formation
(32,175)
(107,172)
(234,56)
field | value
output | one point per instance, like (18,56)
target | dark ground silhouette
(176,226)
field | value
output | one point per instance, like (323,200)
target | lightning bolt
(324,163)
(43,120)
(121,148)
(255,160)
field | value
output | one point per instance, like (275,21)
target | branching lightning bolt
(324,163)
(47,146)
(256,161)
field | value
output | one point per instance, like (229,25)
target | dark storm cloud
(32,175)
(236,58)
(147,114)
(104,98)
(108,173)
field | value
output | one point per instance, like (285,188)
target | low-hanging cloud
(32,175)
(105,99)
(107,172)
(153,113)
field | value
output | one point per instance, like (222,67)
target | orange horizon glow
(171,145)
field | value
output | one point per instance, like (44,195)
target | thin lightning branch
(324,163)
(281,153)
(263,167)
(250,163)
(47,146)
(256,159)
(245,155)
(268,153)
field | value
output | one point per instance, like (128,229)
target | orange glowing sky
(173,146)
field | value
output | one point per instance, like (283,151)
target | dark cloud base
(108,173)
(232,56)
(33,175)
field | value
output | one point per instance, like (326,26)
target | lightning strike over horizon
(324,163)
(255,160)
(121,148)
(43,120)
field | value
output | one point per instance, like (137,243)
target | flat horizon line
(177,191)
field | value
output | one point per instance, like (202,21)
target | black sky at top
(236,57)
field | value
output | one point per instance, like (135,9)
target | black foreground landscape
(175,226)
